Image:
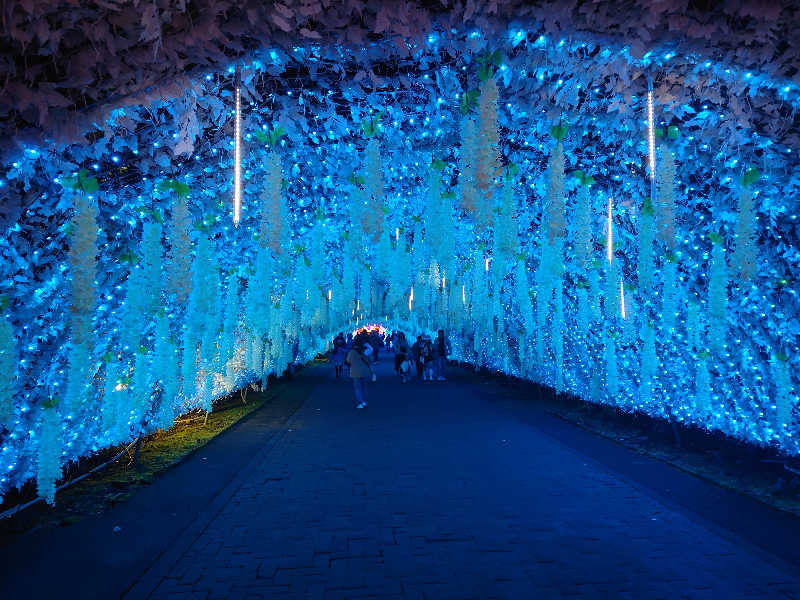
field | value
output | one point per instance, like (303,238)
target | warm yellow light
(609,235)
(237,156)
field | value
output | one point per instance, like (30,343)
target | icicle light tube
(610,235)
(237,155)
(651,136)
(622,299)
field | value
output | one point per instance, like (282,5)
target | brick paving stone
(440,490)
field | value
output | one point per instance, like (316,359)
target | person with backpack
(360,371)
(442,351)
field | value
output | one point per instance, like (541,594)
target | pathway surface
(443,490)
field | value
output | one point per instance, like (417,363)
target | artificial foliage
(8,368)
(419,168)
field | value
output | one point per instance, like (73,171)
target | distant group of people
(425,356)
(428,356)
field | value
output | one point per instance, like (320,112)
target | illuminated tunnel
(598,197)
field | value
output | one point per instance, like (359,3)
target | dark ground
(456,489)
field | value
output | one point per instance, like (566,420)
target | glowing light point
(622,298)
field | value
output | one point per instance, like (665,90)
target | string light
(237,153)
(464,294)
(622,298)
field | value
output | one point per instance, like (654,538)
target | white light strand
(609,235)
(651,136)
(237,156)
(622,298)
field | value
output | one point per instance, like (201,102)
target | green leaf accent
(671,257)
(385,209)
(485,72)
(673,132)
(173,185)
(4,301)
(703,354)
(125,380)
(583,284)
(142,350)
(51,403)
(369,125)
(129,257)
(559,132)
(438,164)
(647,207)
(469,101)
(715,237)
(356,179)
(750,177)
(659,132)
(578,175)
(496,58)
(261,136)
(275,135)
(108,356)
(781,356)
(81,182)
(513,170)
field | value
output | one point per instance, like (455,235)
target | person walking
(427,358)
(416,349)
(376,342)
(442,351)
(401,353)
(339,354)
(360,372)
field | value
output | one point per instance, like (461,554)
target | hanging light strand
(622,298)
(237,153)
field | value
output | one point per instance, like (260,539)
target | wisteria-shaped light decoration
(237,153)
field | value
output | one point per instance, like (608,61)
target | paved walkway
(441,490)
